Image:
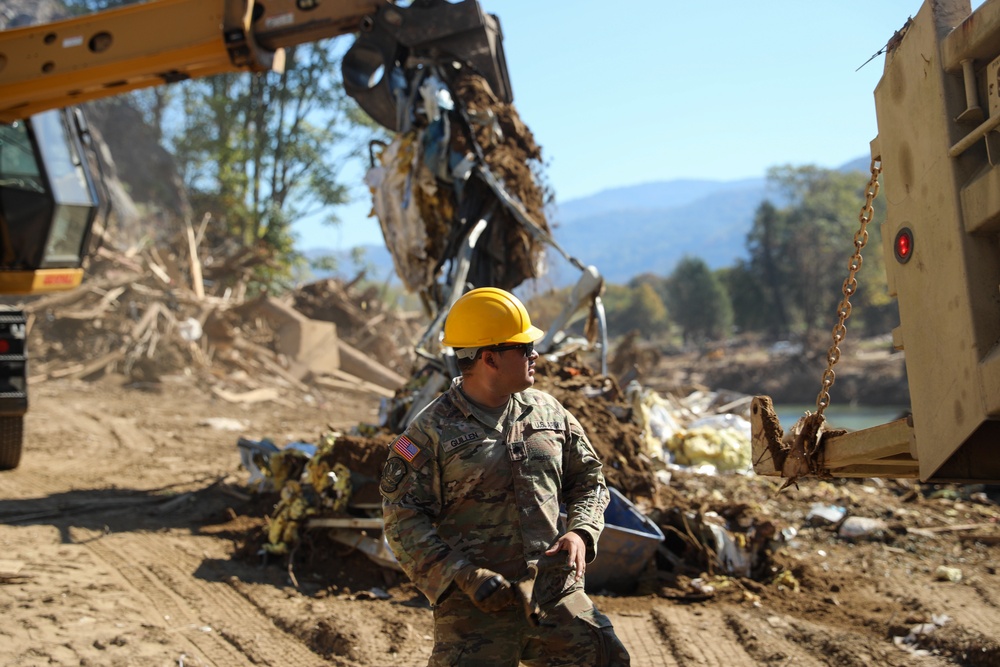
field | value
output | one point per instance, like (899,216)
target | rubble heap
(140,314)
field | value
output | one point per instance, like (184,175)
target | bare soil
(128,539)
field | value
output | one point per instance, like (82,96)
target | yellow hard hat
(488,316)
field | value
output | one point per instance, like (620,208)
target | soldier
(472,496)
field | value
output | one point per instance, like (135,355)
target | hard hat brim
(530,336)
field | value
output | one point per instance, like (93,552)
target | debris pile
(607,419)
(467,157)
(140,314)
(724,540)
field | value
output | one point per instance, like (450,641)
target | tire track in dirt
(170,610)
(765,638)
(962,602)
(957,599)
(128,435)
(641,636)
(699,636)
(349,637)
(214,618)
(26,483)
(850,648)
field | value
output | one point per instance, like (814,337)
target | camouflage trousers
(464,636)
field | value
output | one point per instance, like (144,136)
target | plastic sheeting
(686,432)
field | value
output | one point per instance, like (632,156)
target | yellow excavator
(938,151)
(48,196)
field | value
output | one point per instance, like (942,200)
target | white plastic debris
(820,514)
(860,527)
(945,573)
(730,549)
(684,431)
(224,423)
(912,640)
(189,329)
(699,585)
(399,177)
(436,96)
(723,421)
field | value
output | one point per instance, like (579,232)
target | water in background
(851,417)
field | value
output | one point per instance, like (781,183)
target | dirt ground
(128,538)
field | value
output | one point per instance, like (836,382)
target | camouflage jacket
(461,488)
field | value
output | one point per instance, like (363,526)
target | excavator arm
(57,64)
(48,198)
(67,62)
(48,195)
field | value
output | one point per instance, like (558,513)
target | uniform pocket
(554,583)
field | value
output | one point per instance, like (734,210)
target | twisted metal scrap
(795,454)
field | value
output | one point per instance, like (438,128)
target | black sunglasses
(526,348)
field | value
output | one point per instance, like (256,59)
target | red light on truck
(4,346)
(903,245)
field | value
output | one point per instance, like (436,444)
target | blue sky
(621,93)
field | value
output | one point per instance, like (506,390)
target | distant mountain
(705,219)
(862,164)
(646,228)
(657,195)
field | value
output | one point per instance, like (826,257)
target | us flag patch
(405,448)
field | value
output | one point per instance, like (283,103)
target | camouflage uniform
(464,488)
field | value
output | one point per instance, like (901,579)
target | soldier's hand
(576,552)
(488,590)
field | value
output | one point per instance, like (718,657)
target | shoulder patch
(392,474)
(404,447)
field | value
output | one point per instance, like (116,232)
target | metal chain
(849,288)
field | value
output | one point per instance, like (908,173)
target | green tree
(631,307)
(748,298)
(266,150)
(698,301)
(801,251)
(644,311)
(763,246)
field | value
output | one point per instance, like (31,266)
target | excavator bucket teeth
(426,33)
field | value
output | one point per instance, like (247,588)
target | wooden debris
(197,282)
(352,384)
(147,313)
(13,576)
(255,396)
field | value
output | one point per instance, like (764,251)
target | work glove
(525,590)
(489,591)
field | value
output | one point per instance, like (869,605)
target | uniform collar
(516,406)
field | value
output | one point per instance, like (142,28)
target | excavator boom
(57,64)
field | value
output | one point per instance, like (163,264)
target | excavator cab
(48,202)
